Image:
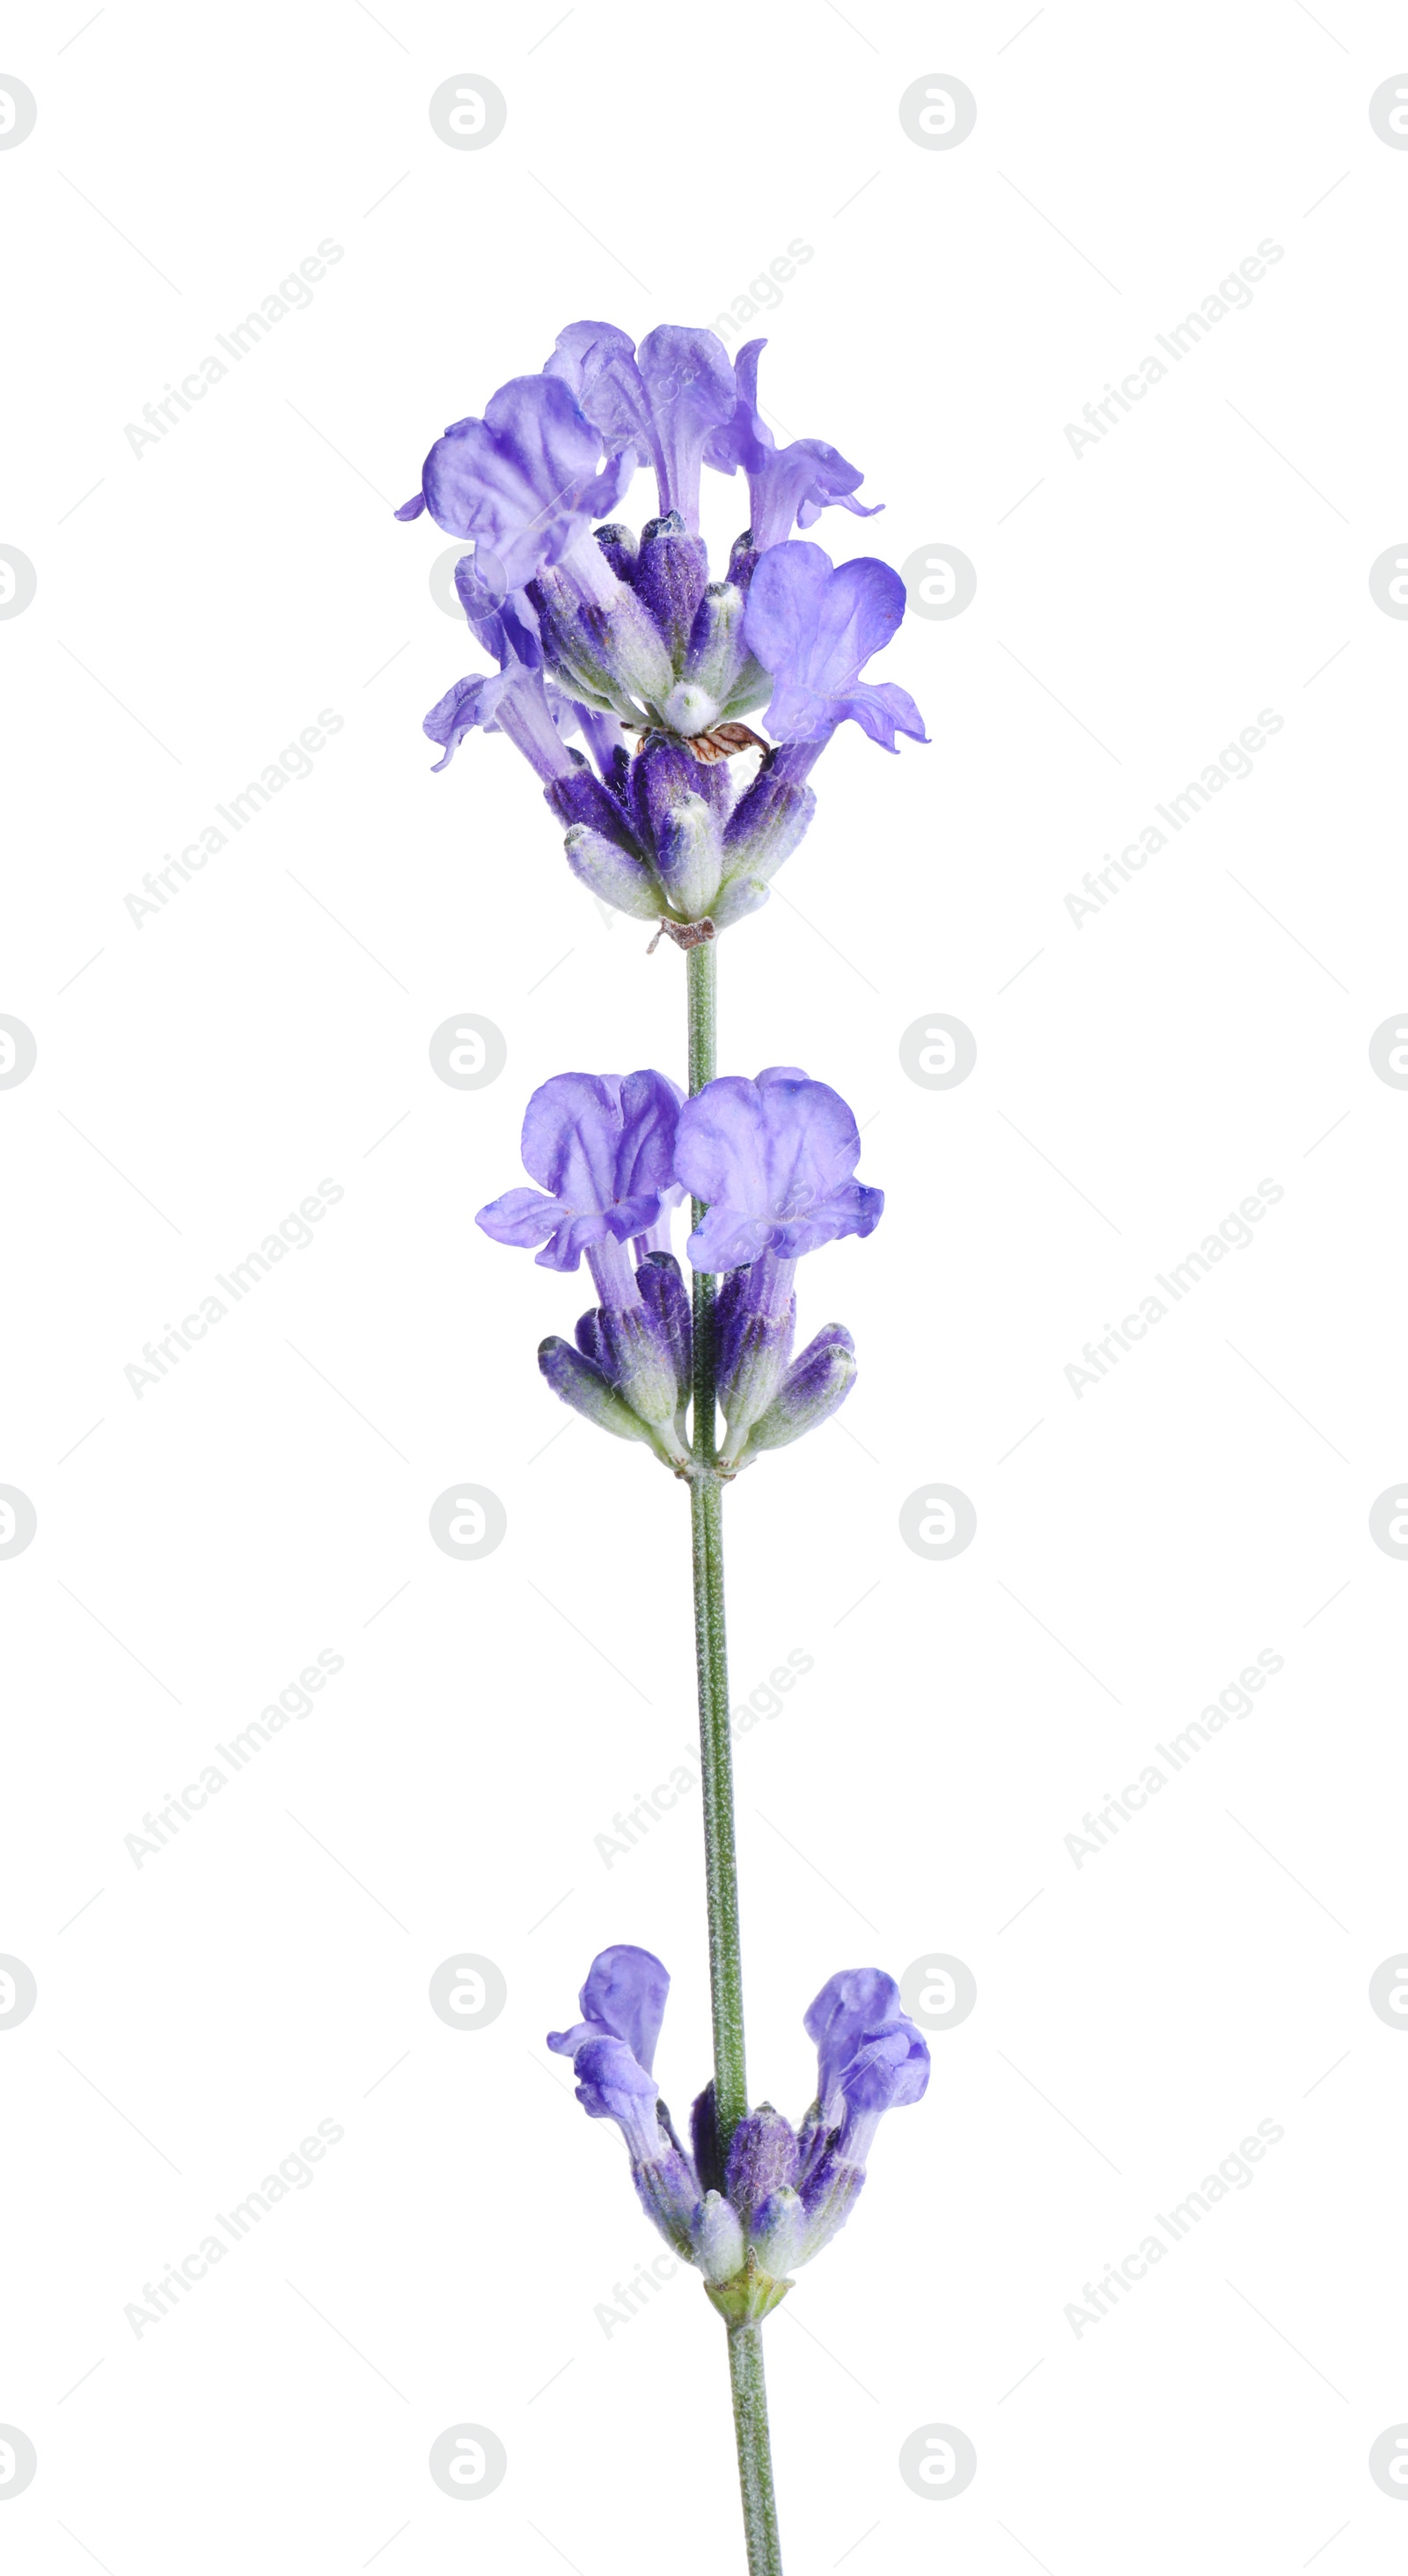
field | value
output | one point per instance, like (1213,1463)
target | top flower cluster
(628,642)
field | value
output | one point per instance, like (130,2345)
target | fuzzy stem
(750,2423)
(745,2350)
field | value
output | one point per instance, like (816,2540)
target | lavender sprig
(677,812)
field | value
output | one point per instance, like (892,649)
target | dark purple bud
(618,545)
(762,2159)
(704,2138)
(664,776)
(666,1301)
(670,576)
(583,799)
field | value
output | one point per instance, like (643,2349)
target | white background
(198,604)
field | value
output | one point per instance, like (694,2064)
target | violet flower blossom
(602,1146)
(629,640)
(782,2193)
(775,1161)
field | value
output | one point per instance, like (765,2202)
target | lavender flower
(787,483)
(524,482)
(774,1160)
(814,626)
(602,1146)
(627,640)
(786,2193)
(516,699)
(662,401)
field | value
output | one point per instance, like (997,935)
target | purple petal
(813,627)
(625,1994)
(522,1217)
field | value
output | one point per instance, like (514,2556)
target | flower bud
(815,1386)
(717,2238)
(582,1385)
(778,2232)
(762,2159)
(669,577)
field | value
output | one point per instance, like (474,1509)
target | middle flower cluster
(771,1167)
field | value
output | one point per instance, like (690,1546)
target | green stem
(750,2422)
(745,2349)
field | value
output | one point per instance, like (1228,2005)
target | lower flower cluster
(752,2216)
(771,1164)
